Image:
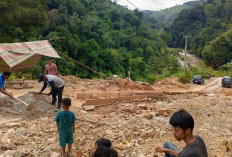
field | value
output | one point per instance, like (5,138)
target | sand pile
(41,104)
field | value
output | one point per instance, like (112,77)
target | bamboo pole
(82,65)
(76,60)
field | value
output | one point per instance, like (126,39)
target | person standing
(65,122)
(51,68)
(183,124)
(57,87)
(3,77)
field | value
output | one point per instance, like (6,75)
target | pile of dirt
(70,79)
(227,92)
(172,82)
(111,84)
(128,83)
(41,103)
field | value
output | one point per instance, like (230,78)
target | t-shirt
(51,69)
(2,81)
(57,81)
(196,149)
(65,119)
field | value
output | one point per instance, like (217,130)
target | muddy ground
(135,127)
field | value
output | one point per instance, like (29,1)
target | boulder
(149,115)
(164,112)
(88,107)
(143,106)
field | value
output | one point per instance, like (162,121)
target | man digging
(57,87)
(3,77)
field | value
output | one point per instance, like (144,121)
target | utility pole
(185,50)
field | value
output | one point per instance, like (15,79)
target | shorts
(66,136)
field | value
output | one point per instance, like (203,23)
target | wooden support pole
(75,60)
(185,50)
(82,65)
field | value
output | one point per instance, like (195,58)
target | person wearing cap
(51,68)
(3,77)
(57,87)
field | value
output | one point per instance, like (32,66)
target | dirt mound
(173,81)
(70,79)
(226,92)
(111,84)
(41,104)
(128,83)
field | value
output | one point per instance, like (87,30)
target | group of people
(50,76)
(181,121)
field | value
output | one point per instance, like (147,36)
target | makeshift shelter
(17,56)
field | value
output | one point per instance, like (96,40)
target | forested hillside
(209,31)
(99,33)
(167,16)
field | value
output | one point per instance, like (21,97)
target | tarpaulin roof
(16,56)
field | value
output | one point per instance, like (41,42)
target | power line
(132,4)
(128,2)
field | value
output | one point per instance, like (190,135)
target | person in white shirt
(57,87)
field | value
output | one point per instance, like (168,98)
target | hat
(41,77)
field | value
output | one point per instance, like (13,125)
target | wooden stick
(75,60)
(29,107)
(81,64)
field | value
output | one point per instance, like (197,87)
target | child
(65,122)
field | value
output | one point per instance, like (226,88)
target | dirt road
(191,59)
(212,85)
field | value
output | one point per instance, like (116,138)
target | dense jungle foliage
(209,31)
(101,34)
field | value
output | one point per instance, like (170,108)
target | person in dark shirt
(183,124)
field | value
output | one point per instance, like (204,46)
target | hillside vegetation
(209,31)
(167,16)
(99,33)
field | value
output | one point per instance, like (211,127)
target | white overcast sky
(151,4)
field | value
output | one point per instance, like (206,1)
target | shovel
(29,107)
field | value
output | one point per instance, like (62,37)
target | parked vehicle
(198,79)
(226,81)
